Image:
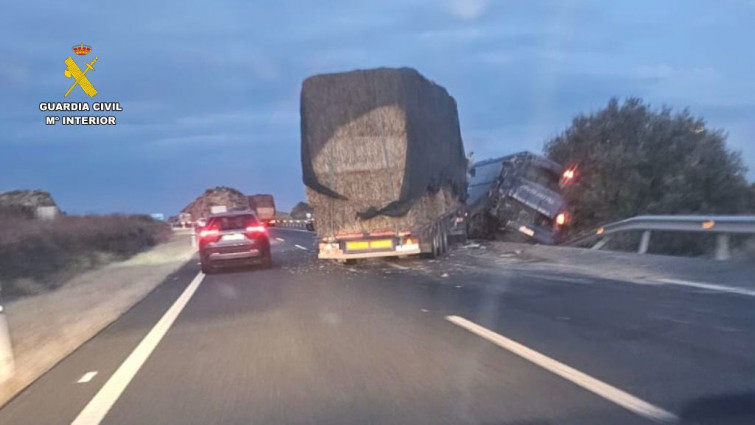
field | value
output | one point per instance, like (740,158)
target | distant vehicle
(185,219)
(517,196)
(264,206)
(234,238)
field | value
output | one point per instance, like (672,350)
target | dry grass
(40,255)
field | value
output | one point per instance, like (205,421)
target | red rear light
(256,229)
(561,219)
(205,233)
(410,241)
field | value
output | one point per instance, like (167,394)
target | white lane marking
(87,377)
(94,412)
(396,266)
(608,392)
(280,239)
(711,287)
(300,247)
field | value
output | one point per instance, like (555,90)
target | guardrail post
(722,247)
(644,242)
(7,366)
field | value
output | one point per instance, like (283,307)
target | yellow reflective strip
(357,245)
(383,243)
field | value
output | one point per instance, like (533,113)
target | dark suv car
(233,238)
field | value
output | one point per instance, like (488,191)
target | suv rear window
(233,222)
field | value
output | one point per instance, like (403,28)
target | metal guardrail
(721,225)
(297,224)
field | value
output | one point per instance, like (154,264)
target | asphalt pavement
(380,342)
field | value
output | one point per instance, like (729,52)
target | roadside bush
(16,211)
(48,251)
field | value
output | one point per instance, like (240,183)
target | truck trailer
(264,205)
(383,163)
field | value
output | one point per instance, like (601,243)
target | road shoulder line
(710,287)
(595,386)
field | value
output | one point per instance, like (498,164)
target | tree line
(632,159)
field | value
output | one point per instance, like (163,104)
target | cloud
(467,9)
(244,117)
(460,34)
(665,71)
(655,72)
(15,73)
(199,140)
(497,57)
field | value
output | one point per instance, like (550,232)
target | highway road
(383,343)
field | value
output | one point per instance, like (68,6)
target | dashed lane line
(87,377)
(94,412)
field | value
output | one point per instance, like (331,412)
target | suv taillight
(209,235)
(256,230)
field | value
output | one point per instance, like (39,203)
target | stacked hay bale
(231,198)
(381,150)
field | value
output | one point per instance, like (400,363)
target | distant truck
(383,164)
(218,209)
(264,205)
(517,197)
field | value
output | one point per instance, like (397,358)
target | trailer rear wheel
(434,251)
(444,241)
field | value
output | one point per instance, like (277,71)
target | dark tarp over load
(377,147)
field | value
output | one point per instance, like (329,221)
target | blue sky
(210,89)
